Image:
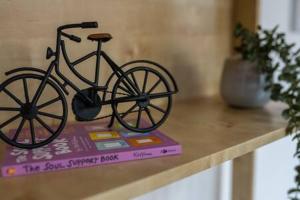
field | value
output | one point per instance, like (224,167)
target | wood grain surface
(190,38)
(210,133)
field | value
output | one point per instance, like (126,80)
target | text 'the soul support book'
(85,145)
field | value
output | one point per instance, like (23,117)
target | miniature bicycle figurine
(135,90)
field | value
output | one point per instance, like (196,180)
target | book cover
(87,144)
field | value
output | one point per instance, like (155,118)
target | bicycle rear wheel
(25,125)
(146,109)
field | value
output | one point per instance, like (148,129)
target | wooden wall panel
(246,13)
(190,37)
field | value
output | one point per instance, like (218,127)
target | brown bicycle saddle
(103,37)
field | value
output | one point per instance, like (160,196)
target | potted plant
(243,84)
(268,52)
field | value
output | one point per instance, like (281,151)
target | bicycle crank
(83,110)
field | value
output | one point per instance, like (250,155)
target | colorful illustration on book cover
(35,98)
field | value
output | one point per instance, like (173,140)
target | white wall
(203,185)
(274,170)
(211,184)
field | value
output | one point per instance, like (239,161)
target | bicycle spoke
(121,93)
(18,101)
(129,110)
(135,82)
(150,116)
(139,118)
(38,93)
(129,84)
(157,108)
(10,120)
(25,90)
(125,90)
(20,127)
(154,86)
(127,99)
(50,115)
(145,81)
(32,133)
(159,95)
(48,103)
(9,109)
(44,125)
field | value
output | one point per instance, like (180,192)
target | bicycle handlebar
(81,25)
(72,37)
(89,25)
(75,38)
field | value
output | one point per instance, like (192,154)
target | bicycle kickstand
(111,122)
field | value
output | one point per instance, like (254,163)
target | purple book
(85,145)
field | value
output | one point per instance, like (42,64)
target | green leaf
(274,29)
(297,99)
(296,107)
(297,150)
(294,198)
(289,129)
(297,168)
(296,52)
(275,91)
(259,27)
(276,88)
(287,77)
(297,178)
(294,190)
(297,154)
(297,136)
(238,30)
(298,60)
(286,113)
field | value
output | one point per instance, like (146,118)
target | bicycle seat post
(98,62)
(99,37)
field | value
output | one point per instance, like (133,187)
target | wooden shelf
(210,133)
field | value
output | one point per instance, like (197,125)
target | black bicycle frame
(60,46)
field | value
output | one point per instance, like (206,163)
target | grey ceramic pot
(242,85)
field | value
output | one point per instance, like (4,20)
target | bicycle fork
(43,84)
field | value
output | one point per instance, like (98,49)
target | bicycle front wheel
(25,125)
